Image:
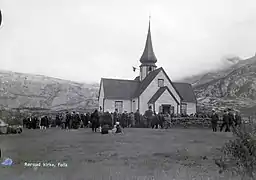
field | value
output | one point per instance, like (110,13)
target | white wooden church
(152,88)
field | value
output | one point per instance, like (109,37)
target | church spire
(148,56)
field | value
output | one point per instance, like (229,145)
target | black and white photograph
(127,90)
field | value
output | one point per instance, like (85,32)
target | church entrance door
(168,109)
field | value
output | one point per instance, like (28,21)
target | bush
(239,155)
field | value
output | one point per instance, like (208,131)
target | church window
(160,83)
(183,109)
(119,106)
(160,109)
(149,68)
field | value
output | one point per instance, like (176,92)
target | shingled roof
(159,92)
(186,91)
(119,88)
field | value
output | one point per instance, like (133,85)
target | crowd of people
(107,121)
(71,120)
(230,119)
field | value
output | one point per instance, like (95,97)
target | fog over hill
(232,86)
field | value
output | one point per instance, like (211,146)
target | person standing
(132,119)
(226,122)
(161,119)
(214,120)
(148,115)
(115,117)
(57,120)
(238,119)
(95,120)
(231,118)
(67,120)
(154,121)
(47,122)
(137,118)
(64,121)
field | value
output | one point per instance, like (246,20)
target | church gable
(159,93)
(155,77)
(160,79)
(167,82)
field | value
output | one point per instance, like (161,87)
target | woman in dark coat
(95,120)
(42,124)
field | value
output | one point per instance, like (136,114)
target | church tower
(148,58)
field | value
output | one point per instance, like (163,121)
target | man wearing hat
(215,119)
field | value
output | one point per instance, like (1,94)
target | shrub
(239,155)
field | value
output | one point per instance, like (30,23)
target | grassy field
(178,154)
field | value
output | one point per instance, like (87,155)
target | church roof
(186,92)
(148,56)
(159,92)
(119,88)
(146,81)
(128,89)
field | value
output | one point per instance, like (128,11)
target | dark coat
(148,114)
(137,117)
(95,118)
(115,117)
(231,118)
(226,118)
(215,118)
(238,119)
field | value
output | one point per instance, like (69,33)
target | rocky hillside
(23,91)
(234,86)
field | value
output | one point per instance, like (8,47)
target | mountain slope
(18,90)
(231,87)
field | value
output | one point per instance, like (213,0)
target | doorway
(168,109)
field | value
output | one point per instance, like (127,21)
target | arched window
(149,68)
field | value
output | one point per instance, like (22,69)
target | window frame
(159,80)
(182,109)
(121,108)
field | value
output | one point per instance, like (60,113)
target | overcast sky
(84,40)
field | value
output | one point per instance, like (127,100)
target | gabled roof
(119,88)
(148,56)
(149,78)
(186,92)
(159,92)
(146,81)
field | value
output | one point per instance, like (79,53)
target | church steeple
(148,56)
